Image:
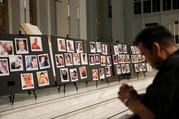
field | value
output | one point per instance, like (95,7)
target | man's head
(156,43)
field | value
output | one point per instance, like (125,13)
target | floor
(87,103)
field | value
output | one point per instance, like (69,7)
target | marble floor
(91,103)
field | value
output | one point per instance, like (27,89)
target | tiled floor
(87,103)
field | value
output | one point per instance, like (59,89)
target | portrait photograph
(116,50)
(136,67)
(16,63)
(76,59)
(31,62)
(21,46)
(128,58)
(140,67)
(127,68)
(137,51)
(140,57)
(91,59)
(108,71)
(61,44)
(120,50)
(74,74)
(42,77)
(97,59)
(144,67)
(70,45)
(92,47)
(84,59)
(123,68)
(4,68)
(27,81)
(123,59)
(83,72)
(109,61)
(133,58)
(136,59)
(101,73)
(36,43)
(124,47)
(44,61)
(68,59)
(115,59)
(143,58)
(118,69)
(6,48)
(95,74)
(104,49)
(59,60)
(64,75)
(132,49)
(120,60)
(98,47)
(103,60)
(79,46)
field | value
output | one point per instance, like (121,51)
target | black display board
(12,83)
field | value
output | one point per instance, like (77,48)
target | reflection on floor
(89,102)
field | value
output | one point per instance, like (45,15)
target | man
(161,100)
(35,44)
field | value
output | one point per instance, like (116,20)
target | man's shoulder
(174,60)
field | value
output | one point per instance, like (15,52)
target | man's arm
(129,96)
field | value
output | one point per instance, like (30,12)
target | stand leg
(64,90)
(10,97)
(29,92)
(144,75)
(86,83)
(75,84)
(35,96)
(107,81)
(59,87)
(12,100)
(137,75)
(96,84)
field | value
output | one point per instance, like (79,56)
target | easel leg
(35,96)
(107,81)
(64,90)
(86,83)
(144,75)
(96,84)
(75,84)
(29,92)
(10,97)
(12,100)
(137,75)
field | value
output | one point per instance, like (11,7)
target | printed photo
(109,61)
(97,58)
(115,59)
(123,67)
(132,49)
(36,43)
(64,75)
(31,62)
(83,72)
(95,74)
(127,68)
(123,59)
(118,69)
(74,75)
(68,59)
(144,67)
(59,60)
(116,50)
(42,77)
(128,59)
(44,61)
(21,46)
(140,67)
(16,63)
(27,81)
(140,57)
(92,47)
(136,67)
(133,58)
(70,45)
(101,73)
(103,60)
(84,59)
(143,58)
(120,60)
(6,48)
(137,51)
(120,50)
(4,69)
(79,46)
(108,71)
(76,58)
(91,59)
(98,46)
(104,49)
(61,45)
(124,47)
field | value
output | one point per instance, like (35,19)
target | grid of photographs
(138,60)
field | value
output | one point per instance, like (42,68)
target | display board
(25,63)
(138,60)
(121,59)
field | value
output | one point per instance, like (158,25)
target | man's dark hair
(157,34)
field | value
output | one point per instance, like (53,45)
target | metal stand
(86,83)
(96,84)
(137,75)
(76,85)
(144,75)
(35,96)
(11,98)
(64,90)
